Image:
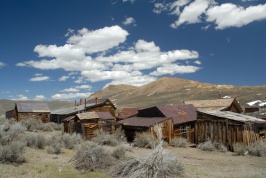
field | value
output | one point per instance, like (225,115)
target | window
(183,129)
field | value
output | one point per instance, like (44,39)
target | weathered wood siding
(190,132)
(225,131)
(104,108)
(167,130)
(44,117)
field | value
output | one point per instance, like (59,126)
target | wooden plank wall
(225,131)
(189,135)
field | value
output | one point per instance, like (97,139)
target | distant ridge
(173,91)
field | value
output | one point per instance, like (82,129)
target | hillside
(164,91)
(175,90)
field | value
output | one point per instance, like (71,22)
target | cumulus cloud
(231,15)
(70,96)
(208,11)
(39,97)
(173,69)
(191,13)
(88,57)
(129,21)
(2,64)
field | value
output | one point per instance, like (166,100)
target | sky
(67,50)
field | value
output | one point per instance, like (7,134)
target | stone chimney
(96,100)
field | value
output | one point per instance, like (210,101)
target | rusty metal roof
(128,112)
(32,107)
(143,121)
(95,115)
(234,116)
(180,114)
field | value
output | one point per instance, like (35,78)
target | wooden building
(184,118)
(88,122)
(23,111)
(147,124)
(225,104)
(100,105)
(228,128)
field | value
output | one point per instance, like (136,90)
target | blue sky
(66,50)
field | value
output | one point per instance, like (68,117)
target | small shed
(86,123)
(228,128)
(39,111)
(249,109)
(147,124)
(223,104)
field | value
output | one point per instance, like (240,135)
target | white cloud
(122,65)
(191,13)
(132,1)
(2,64)
(77,88)
(222,16)
(174,69)
(231,15)
(159,8)
(39,97)
(98,40)
(70,96)
(129,21)
(63,78)
(41,78)
(197,62)
(21,97)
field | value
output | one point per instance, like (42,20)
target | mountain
(173,91)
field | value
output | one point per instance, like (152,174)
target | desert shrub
(56,126)
(144,140)
(157,164)
(48,127)
(70,141)
(206,146)
(258,148)
(219,147)
(90,157)
(54,148)
(12,152)
(119,135)
(40,141)
(2,119)
(240,148)
(179,142)
(10,132)
(104,138)
(119,152)
(32,124)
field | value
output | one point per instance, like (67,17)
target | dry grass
(197,163)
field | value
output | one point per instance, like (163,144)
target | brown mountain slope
(175,90)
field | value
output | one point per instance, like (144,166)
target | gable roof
(143,121)
(234,116)
(32,107)
(180,114)
(95,115)
(98,102)
(215,104)
(128,112)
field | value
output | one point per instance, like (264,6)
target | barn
(228,128)
(100,105)
(23,111)
(223,104)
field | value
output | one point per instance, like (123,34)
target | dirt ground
(197,163)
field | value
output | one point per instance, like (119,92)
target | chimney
(85,105)
(81,101)
(96,100)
